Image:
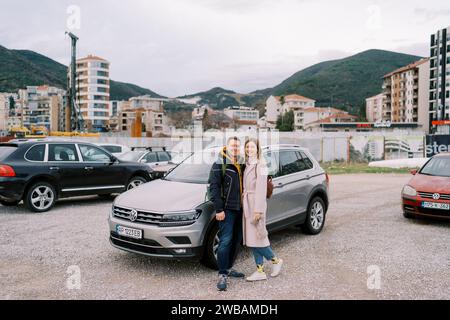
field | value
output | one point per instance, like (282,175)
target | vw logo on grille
(133,215)
(436,196)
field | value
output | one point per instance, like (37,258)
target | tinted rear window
(36,153)
(5,151)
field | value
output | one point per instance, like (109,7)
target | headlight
(180,219)
(409,191)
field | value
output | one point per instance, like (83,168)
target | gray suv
(173,218)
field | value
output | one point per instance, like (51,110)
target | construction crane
(73,116)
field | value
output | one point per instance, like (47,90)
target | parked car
(41,171)
(173,218)
(115,149)
(427,194)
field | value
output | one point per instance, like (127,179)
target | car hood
(163,196)
(424,183)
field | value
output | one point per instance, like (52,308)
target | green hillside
(21,68)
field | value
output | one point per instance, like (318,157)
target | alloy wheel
(42,197)
(317,215)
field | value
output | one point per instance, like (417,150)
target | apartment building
(152,112)
(405,93)
(303,117)
(39,106)
(374,108)
(243,118)
(5,98)
(93,91)
(276,105)
(439,86)
(199,112)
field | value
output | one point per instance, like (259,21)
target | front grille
(143,217)
(429,195)
(427,211)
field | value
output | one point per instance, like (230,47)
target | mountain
(21,68)
(217,98)
(344,83)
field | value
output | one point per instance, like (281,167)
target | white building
(199,112)
(276,105)
(244,118)
(5,107)
(93,86)
(303,117)
(374,108)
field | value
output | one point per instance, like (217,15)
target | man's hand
(220,216)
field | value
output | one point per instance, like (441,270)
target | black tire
(9,203)
(135,182)
(408,215)
(209,258)
(46,203)
(314,224)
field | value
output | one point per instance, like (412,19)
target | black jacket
(225,184)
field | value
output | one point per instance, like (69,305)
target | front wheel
(41,197)
(135,182)
(315,218)
(209,258)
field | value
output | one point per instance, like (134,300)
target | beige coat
(254,200)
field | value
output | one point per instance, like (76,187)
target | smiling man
(225,184)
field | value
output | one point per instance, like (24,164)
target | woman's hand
(257,216)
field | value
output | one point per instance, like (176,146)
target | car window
(5,151)
(113,149)
(150,158)
(93,154)
(291,162)
(36,153)
(272,160)
(308,162)
(163,156)
(439,166)
(62,152)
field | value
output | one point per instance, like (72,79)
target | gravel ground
(364,227)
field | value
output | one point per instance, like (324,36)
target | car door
(274,203)
(294,183)
(64,164)
(102,173)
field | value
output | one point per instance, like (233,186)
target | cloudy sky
(176,47)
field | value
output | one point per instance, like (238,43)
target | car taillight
(6,171)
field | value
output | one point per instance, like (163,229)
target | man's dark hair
(233,138)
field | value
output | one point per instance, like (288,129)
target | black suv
(40,172)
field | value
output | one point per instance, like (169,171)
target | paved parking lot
(364,228)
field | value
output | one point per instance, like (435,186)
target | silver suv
(173,218)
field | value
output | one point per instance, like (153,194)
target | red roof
(294,97)
(408,67)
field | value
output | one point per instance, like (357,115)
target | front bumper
(413,206)
(162,242)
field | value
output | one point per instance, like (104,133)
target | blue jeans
(230,237)
(261,253)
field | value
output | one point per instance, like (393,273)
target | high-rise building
(439,96)
(405,94)
(93,88)
(374,108)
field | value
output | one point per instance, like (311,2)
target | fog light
(179,251)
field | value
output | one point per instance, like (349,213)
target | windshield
(439,166)
(133,156)
(5,151)
(112,149)
(195,169)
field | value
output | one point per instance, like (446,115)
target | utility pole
(70,105)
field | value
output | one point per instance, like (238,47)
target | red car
(428,192)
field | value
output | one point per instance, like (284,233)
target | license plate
(435,205)
(129,232)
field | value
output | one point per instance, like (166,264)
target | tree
(285,121)
(206,122)
(12,106)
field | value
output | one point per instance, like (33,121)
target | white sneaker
(276,268)
(257,276)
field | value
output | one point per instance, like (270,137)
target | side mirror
(113,159)
(414,172)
